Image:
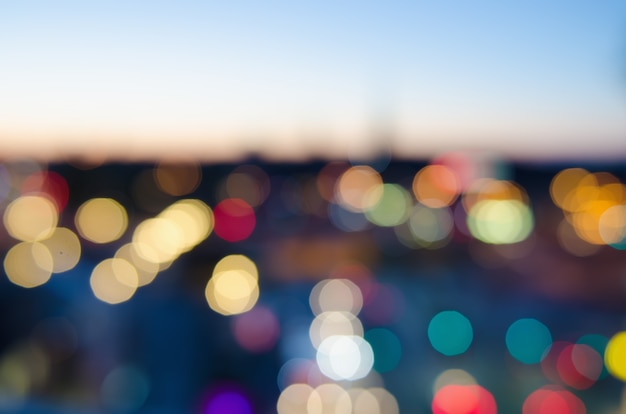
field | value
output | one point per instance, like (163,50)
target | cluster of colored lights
(577,366)
(491,210)
(156,243)
(44,248)
(594,210)
(344,376)
(35,201)
(446,200)
(332,398)
(345,359)
(337,333)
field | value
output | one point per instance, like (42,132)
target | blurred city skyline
(222,81)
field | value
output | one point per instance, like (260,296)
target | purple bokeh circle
(228,401)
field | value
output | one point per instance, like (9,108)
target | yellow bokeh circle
(101,220)
(31,218)
(615,356)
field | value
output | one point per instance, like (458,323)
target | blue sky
(518,76)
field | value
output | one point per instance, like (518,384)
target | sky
(293,80)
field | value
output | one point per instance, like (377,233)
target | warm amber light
(233,288)
(232,292)
(114,281)
(64,246)
(28,264)
(177,179)
(359,188)
(146,270)
(436,186)
(101,220)
(31,218)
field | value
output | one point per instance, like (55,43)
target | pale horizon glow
(222,81)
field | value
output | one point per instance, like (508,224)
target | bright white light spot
(343,357)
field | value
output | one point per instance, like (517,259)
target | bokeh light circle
(453,376)
(256,331)
(329,398)
(234,220)
(336,295)
(579,366)
(598,343)
(345,357)
(392,208)
(64,246)
(31,218)
(359,188)
(615,356)
(463,399)
(193,218)
(236,262)
(553,400)
(387,349)
(114,281)
(612,226)
(228,400)
(101,220)
(528,340)
(247,182)
(158,240)
(564,183)
(500,221)
(331,323)
(233,287)
(177,179)
(294,399)
(436,186)
(450,333)
(28,264)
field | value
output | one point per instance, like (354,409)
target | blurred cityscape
(312,207)
(460,284)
